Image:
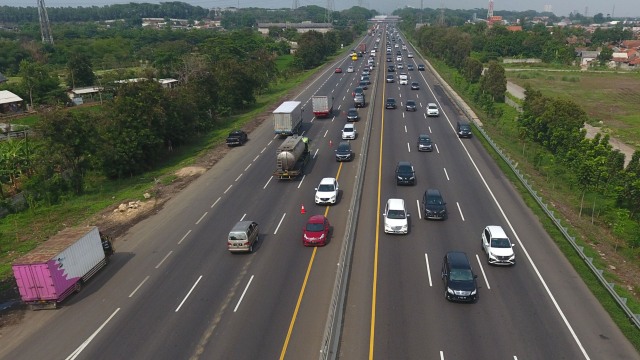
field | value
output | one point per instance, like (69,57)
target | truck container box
(287,118)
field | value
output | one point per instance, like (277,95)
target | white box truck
(287,118)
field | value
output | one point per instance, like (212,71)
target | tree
(37,82)
(472,70)
(606,54)
(494,82)
(80,71)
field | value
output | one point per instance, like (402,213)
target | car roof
(395,204)
(344,144)
(327,180)
(497,231)
(353,109)
(404,163)
(348,126)
(432,192)
(316,219)
(458,259)
(432,104)
(411,101)
(391,99)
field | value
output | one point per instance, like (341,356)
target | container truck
(363,48)
(322,105)
(291,157)
(58,267)
(287,118)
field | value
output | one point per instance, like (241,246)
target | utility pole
(45,26)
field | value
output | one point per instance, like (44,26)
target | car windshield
(237,236)
(352,113)
(391,101)
(405,170)
(500,243)
(461,275)
(343,147)
(395,214)
(432,107)
(465,127)
(411,103)
(314,227)
(424,139)
(326,187)
(433,200)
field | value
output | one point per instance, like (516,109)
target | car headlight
(305,236)
(333,197)
(321,236)
(474,292)
(450,291)
(404,227)
(491,256)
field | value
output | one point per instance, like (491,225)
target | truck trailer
(58,267)
(291,157)
(322,105)
(287,118)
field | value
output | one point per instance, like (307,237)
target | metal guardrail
(622,302)
(459,102)
(333,328)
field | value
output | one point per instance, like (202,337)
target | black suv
(405,175)
(391,68)
(420,67)
(352,115)
(464,129)
(343,152)
(458,278)
(424,143)
(390,103)
(410,105)
(433,204)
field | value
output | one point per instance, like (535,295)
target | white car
(350,69)
(349,132)
(432,110)
(497,246)
(398,58)
(403,79)
(327,191)
(410,55)
(396,218)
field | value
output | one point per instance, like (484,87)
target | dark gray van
(243,236)
(434,205)
(458,278)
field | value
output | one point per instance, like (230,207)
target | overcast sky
(559,7)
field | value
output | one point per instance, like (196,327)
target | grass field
(611,99)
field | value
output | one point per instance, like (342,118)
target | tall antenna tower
(295,4)
(329,11)
(441,16)
(45,26)
(490,11)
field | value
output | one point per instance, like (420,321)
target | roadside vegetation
(78,161)
(584,180)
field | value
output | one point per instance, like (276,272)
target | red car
(338,70)
(316,231)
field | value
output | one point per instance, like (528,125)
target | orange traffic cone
(302,210)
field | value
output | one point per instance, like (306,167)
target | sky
(618,8)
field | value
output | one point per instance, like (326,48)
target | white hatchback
(349,132)
(432,110)
(403,79)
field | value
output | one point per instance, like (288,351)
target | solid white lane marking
(239,176)
(484,275)
(214,204)
(77,351)
(408,147)
(139,285)
(263,149)
(405,128)
(303,176)
(269,143)
(315,153)
(419,213)
(247,168)
(313,118)
(164,258)
(437,150)
(280,223)
(227,189)
(446,174)
(243,216)
(202,217)
(325,133)
(256,158)
(268,181)
(425,115)
(460,210)
(426,259)
(441,355)
(242,296)
(189,293)
(184,237)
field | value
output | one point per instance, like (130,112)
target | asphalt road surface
(173,291)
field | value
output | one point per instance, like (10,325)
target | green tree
(494,82)
(80,71)
(606,54)
(37,82)
(472,70)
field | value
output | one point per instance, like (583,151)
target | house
(9,102)
(587,56)
(302,27)
(82,95)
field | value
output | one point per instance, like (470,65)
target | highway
(173,291)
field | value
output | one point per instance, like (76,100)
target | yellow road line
(375,253)
(304,286)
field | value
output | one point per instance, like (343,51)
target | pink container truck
(58,267)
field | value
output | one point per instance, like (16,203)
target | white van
(373,52)
(396,218)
